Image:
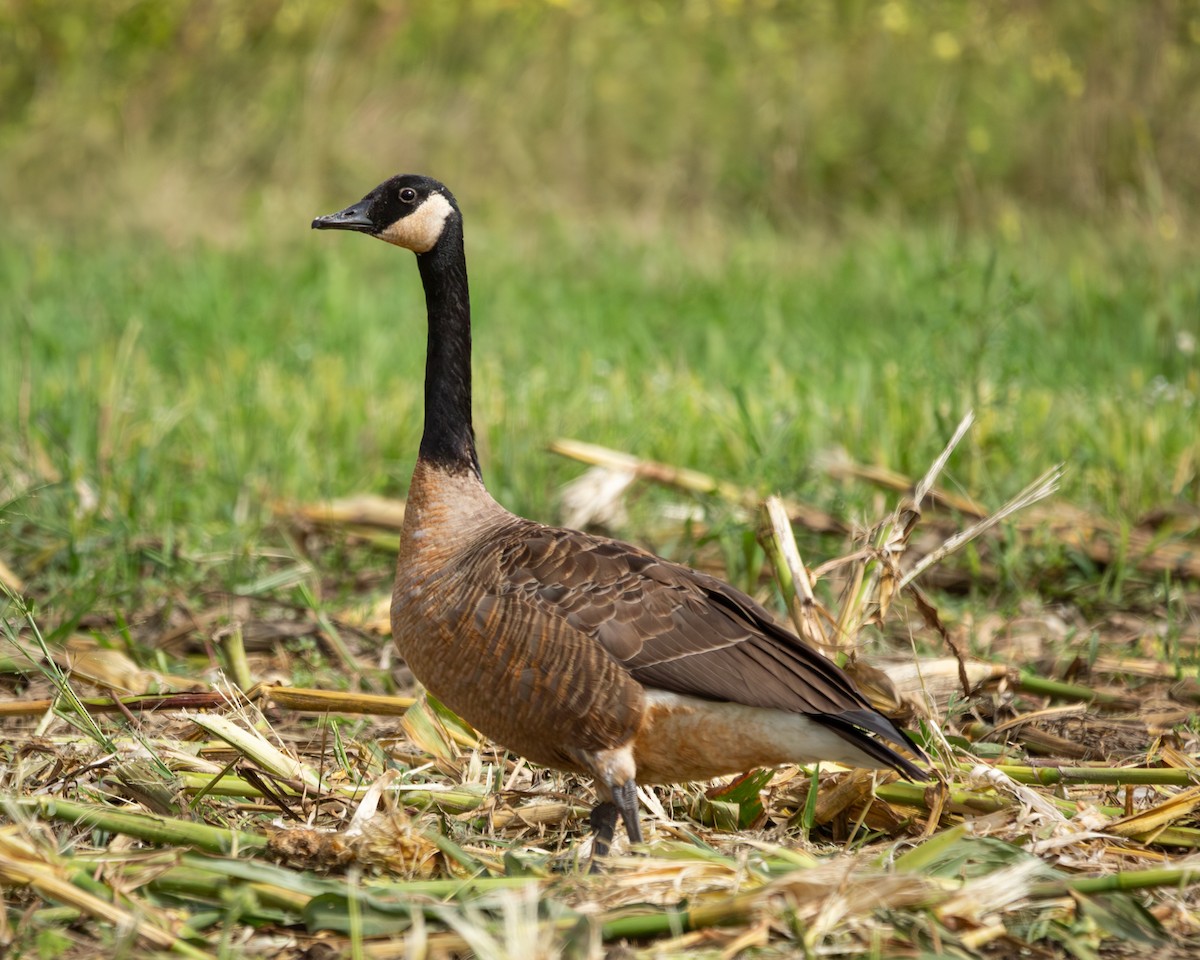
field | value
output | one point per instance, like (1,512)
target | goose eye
(408,194)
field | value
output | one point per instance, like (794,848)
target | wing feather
(681,630)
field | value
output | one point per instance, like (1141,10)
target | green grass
(159,400)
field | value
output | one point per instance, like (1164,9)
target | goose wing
(674,628)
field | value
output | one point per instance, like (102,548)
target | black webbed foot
(604,820)
(604,826)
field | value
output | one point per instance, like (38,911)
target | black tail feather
(856,727)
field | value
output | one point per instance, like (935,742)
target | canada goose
(576,651)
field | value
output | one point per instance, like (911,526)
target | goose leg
(604,825)
(604,819)
(626,801)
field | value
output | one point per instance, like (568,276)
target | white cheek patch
(420,230)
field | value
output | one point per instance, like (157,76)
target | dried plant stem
(254,745)
(1117,776)
(311,885)
(673,922)
(1031,683)
(877,576)
(1041,488)
(150,701)
(793,576)
(326,701)
(958,800)
(302,699)
(894,480)
(461,799)
(50,883)
(143,826)
(935,469)
(694,481)
(1125,880)
(239,666)
(970,802)
(189,881)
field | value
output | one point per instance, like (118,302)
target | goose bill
(352,218)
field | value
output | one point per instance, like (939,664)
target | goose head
(408,210)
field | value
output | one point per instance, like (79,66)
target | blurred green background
(188,117)
(727,234)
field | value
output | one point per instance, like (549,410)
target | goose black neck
(449,438)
